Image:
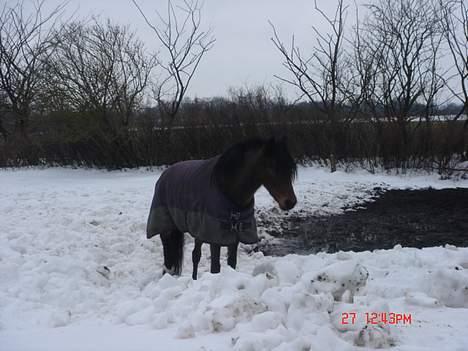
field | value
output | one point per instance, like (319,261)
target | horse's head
(277,171)
(246,166)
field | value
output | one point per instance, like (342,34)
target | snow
(77,273)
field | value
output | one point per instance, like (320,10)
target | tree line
(89,92)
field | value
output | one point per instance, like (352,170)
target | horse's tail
(174,252)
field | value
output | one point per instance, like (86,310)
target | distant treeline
(206,127)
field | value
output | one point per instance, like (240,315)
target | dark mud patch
(412,218)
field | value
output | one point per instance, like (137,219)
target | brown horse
(213,200)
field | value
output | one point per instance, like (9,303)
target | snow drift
(77,273)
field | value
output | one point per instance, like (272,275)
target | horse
(213,200)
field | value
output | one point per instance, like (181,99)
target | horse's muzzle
(288,204)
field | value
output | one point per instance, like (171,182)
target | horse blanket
(186,199)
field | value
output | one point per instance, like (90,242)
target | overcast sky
(243,54)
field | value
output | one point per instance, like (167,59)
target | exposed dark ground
(414,218)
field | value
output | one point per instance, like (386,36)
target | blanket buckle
(236,225)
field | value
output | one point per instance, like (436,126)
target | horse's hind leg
(165,244)
(173,247)
(215,251)
(232,255)
(196,254)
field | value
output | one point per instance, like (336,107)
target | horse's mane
(285,165)
(233,158)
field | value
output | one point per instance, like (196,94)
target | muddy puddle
(412,218)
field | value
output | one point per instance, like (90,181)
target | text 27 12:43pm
(377,318)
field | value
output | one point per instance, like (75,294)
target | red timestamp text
(375,318)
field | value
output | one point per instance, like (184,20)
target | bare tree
(184,43)
(100,68)
(404,36)
(132,75)
(320,76)
(455,21)
(4,110)
(363,80)
(24,47)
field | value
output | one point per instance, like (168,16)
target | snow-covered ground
(76,273)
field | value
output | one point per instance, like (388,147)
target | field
(78,274)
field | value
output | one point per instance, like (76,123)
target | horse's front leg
(232,255)
(196,254)
(215,251)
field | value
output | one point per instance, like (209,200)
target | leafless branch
(455,22)
(25,43)
(99,67)
(320,75)
(185,43)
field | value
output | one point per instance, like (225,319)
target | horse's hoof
(170,271)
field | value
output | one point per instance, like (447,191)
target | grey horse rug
(186,199)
